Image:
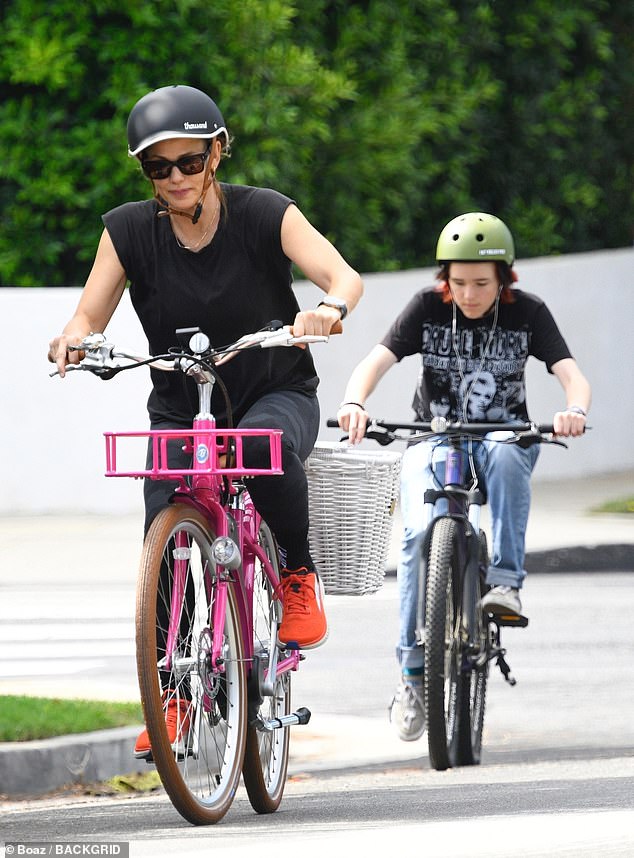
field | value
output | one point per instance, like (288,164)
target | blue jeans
(504,471)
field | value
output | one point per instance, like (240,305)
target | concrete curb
(582,558)
(35,768)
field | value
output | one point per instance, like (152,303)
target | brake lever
(104,373)
(529,439)
(524,440)
(70,368)
(555,441)
(381,436)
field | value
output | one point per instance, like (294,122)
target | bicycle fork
(181,554)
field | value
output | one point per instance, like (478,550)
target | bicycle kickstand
(499,652)
(505,668)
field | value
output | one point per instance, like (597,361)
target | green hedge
(383,118)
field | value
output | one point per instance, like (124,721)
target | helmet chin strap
(195,217)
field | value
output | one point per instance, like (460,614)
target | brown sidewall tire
(266,757)
(200,810)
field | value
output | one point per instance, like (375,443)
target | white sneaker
(501,600)
(407,709)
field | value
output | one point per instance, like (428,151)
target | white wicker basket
(352,496)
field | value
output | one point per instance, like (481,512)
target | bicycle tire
(266,755)
(443,654)
(202,776)
(474,682)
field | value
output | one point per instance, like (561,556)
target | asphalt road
(557,775)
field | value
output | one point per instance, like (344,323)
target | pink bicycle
(208,598)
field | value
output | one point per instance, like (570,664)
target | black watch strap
(336,304)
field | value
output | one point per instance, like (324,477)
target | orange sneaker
(304,622)
(177,720)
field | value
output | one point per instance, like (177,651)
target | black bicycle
(459,639)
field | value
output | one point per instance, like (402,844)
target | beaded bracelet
(577,409)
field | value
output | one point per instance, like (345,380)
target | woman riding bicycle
(218,256)
(475,334)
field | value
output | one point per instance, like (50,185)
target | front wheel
(474,681)
(443,651)
(266,757)
(176,595)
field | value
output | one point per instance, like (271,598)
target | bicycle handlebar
(442,426)
(104,359)
(524,433)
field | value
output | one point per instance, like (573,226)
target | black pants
(282,501)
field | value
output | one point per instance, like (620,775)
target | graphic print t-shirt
(478,370)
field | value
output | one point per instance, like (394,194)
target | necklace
(194,247)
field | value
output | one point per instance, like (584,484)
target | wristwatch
(337,304)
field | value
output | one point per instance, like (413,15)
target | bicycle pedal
(301,716)
(513,620)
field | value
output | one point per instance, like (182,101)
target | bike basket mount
(352,498)
(214,451)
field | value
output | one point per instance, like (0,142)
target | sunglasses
(189,165)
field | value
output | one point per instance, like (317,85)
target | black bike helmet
(173,111)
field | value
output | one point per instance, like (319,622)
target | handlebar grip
(331,423)
(337,328)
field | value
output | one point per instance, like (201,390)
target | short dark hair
(505,273)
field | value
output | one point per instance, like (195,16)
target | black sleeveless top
(236,285)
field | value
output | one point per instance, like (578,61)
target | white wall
(52,449)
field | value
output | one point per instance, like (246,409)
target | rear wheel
(443,651)
(266,756)
(176,593)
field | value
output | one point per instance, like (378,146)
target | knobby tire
(474,682)
(442,644)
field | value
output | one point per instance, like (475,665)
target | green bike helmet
(475,237)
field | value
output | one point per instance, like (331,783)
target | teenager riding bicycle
(218,256)
(475,333)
